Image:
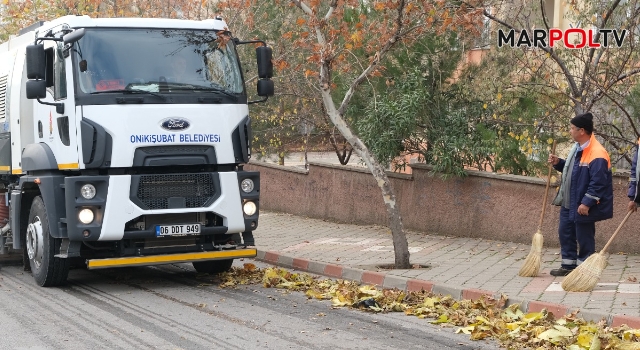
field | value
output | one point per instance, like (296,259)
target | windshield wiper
(140,91)
(209,89)
(130,91)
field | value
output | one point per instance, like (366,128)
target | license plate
(177,230)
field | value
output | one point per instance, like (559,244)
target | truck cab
(125,144)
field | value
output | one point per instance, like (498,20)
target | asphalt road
(171,307)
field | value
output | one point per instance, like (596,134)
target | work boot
(560,272)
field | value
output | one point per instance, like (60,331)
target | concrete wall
(482,205)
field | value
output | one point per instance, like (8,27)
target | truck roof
(71,21)
(26,35)
(216,23)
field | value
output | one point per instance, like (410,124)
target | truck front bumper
(120,199)
(93,264)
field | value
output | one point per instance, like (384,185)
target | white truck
(122,143)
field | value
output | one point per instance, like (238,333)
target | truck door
(58,130)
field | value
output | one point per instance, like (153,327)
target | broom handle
(615,233)
(546,191)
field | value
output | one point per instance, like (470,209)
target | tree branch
(332,8)
(544,15)
(596,39)
(620,78)
(565,70)
(376,58)
(303,7)
(629,118)
(612,142)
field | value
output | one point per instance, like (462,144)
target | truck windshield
(156,60)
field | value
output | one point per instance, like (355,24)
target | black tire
(213,266)
(46,269)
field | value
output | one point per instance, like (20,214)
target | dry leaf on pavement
(481,319)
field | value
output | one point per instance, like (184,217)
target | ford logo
(175,124)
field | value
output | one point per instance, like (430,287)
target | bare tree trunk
(400,245)
(343,156)
(306,148)
(282,150)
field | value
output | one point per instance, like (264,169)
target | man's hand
(633,206)
(553,159)
(583,210)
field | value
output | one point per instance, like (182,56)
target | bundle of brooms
(531,266)
(585,277)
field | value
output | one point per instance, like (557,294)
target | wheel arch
(51,188)
(20,206)
(38,156)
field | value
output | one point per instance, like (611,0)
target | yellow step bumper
(170,258)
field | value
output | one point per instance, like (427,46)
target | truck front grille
(171,191)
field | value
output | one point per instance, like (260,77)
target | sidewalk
(461,267)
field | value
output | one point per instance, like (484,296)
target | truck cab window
(60,74)
(48,56)
(222,68)
(168,61)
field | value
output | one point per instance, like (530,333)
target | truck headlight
(246,185)
(85,216)
(88,191)
(249,208)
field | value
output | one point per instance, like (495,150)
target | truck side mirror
(265,87)
(265,66)
(73,36)
(36,62)
(35,59)
(36,89)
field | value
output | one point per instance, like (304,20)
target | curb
(387,281)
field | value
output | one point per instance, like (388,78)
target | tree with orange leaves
(347,40)
(16,15)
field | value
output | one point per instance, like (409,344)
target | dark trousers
(577,240)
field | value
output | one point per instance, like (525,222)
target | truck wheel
(213,266)
(46,269)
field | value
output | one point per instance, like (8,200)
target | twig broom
(585,277)
(531,266)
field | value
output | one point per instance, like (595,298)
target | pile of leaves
(482,318)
